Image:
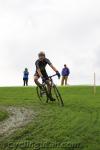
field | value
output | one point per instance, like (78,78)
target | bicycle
(43,94)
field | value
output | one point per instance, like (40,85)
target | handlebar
(52,76)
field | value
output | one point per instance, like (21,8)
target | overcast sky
(68,30)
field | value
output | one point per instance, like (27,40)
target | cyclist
(41,72)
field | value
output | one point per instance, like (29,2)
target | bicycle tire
(42,98)
(58,95)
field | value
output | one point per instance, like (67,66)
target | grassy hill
(76,126)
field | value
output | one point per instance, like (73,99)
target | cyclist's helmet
(41,54)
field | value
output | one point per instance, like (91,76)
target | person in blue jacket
(65,74)
(25,77)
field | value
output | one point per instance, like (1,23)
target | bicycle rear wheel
(42,97)
(56,94)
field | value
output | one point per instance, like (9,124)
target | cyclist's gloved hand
(58,74)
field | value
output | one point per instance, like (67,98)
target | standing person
(41,64)
(25,77)
(65,74)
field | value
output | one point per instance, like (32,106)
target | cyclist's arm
(51,65)
(53,68)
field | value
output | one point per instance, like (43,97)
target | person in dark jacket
(25,77)
(65,74)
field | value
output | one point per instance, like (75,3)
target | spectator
(25,77)
(65,74)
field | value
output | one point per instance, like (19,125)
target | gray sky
(69,32)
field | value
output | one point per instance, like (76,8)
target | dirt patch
(18,117)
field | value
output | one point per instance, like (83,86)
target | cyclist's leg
(36,78)
(49,90)
(45,75)
(48,86)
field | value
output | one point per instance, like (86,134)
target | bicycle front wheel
(43,97)
(55,93)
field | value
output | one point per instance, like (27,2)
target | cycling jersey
(42,66)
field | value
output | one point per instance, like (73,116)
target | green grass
(3,115)
(77,124)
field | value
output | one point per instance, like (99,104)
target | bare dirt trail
(18,117)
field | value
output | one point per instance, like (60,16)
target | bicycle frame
(50,79)
(53,91)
